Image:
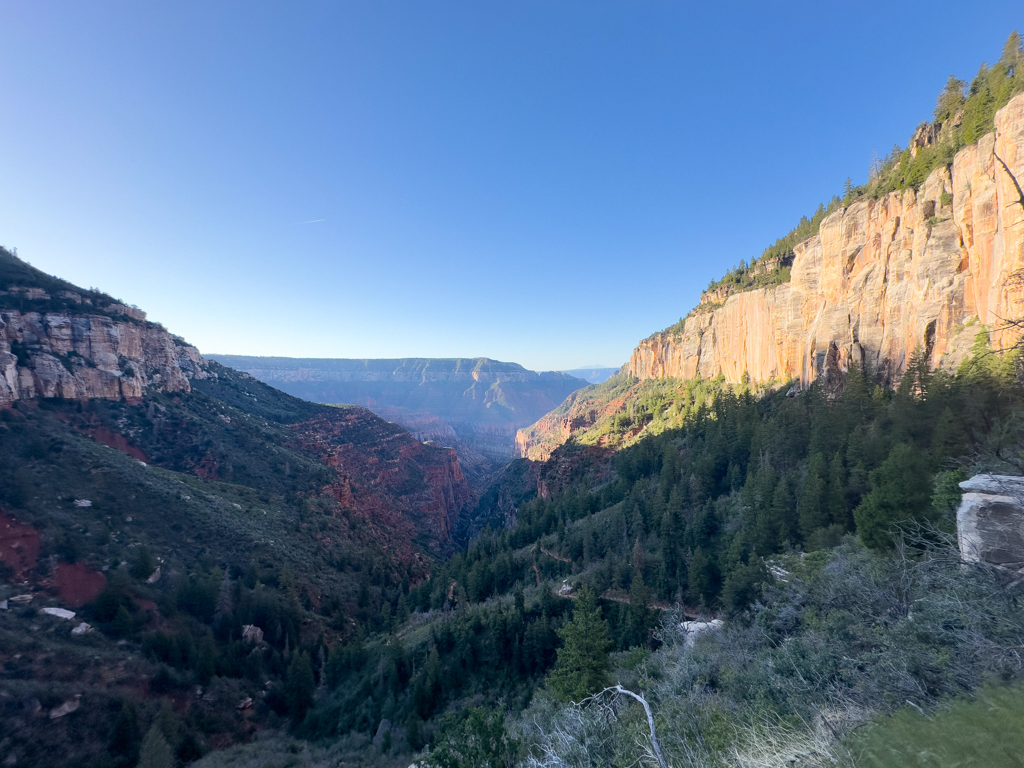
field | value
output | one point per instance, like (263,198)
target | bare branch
(618,689)
(1020,192)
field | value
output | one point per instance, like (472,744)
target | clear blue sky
(544,182)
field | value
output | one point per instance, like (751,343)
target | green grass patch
(985,732)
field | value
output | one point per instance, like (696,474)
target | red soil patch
(207,469)
(144,604)
(115,440)
(78,584)
(19,545)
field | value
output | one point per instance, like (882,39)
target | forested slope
(169,503)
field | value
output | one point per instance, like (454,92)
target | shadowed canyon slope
(62,343)
(475,405)
(916,270)
(197,524)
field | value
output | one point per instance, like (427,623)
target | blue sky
(543,182)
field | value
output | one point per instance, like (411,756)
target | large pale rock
(881,279)
(990,521)
(88,355)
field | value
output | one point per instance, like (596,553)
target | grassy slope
(984,732)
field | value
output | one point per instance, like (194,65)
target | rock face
(57,340)
(579,411)
(881,279)
(85,356)
(990,521)
(406,490)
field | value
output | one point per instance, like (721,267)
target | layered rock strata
(406,490)
(87,355)
(913,270)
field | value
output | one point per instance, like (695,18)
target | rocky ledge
(990,522)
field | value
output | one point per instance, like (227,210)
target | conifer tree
(582,666)
(124,741)
(812,501)
(783,511)
(299,686)
(703,578)
(155,751)
(639,612)
(225,599)
(835,496)
(901,490)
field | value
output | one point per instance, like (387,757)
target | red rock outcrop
(405,490)
(881,279)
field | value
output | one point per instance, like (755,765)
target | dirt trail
(559,558)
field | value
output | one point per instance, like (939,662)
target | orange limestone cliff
(881,279)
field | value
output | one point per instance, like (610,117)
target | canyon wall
(916,269)
(46,354)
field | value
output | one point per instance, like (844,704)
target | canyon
(474,405)
(61,343)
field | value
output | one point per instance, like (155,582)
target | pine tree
(900,490)
(155,751)
(950,100)
(670,538)
(299,686)
(124,741)
(639,619)
(703,578)
(142,564)
(1013,51)
(637,529)
(836,508)
(784,512)
(206,664)
(639,561)
(582,666)
(225,599)
(812,499)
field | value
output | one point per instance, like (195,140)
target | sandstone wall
(882,278)
(87,355)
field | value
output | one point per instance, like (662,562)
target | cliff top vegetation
(963,114)
(51,294)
